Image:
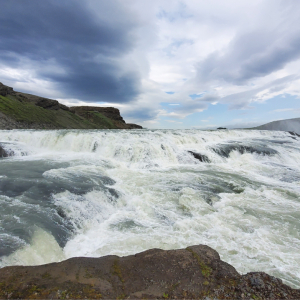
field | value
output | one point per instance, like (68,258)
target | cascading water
(73,193)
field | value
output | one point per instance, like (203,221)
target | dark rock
(201,157)
(64,107)
(134,126)
(192,273)
(48,104)
(109,112)
(3,153)
(5,90)
(225,149)
(5,150)
(219,128)
(294,133)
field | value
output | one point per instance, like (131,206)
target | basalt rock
(5,90)
(294,133)
(201,157)
(48,104)
(51,104)
(192,273)
(134,126)
(224,150)
(109,112)
(6,150)
(3,153)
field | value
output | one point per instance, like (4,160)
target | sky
(164,64)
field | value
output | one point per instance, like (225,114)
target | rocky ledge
(192,273)
(111,113)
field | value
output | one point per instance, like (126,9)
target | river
(67,193)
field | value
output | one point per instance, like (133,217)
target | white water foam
(42,250)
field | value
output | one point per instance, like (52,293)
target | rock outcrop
(200,157)
(192,273)
(51,104)
(109,112)
(5,90)
(134,126)
(3,153)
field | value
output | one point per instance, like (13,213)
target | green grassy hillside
(25,111)
(28,113)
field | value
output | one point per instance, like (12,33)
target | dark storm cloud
(66,43)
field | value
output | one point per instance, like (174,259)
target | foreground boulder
(192,273)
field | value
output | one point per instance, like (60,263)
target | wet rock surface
(224,150)
(200,157)
(3,153)
(192,273)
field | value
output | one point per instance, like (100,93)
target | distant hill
(282,125)
(25,111)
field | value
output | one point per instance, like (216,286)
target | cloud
(69,45)
(242,100)
(255,52)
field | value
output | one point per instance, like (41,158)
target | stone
(201,157)
(5,90)
(196,272)
(48,104)
(3,153)
(109,112)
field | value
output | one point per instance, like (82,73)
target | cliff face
(109,112)
(192,273)
(90,112)
(25,111)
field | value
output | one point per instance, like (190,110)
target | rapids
(67,193)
